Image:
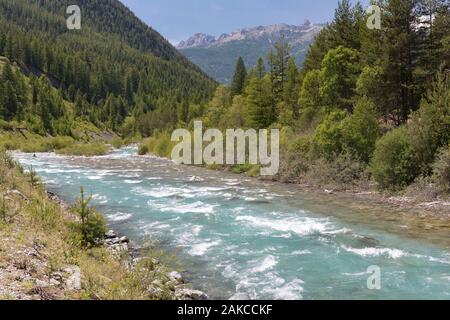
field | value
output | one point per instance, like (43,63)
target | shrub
(343,170)
(88,150)
(91,226)
(441,170)
(117,143)
(329,134)
(36,146)
(394,164)
(4,125)
(9,145)
(62,142)
(361,129)
(143,149)
(430,125)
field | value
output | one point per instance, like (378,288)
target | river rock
(124,240)
(110,234)
(155,292)
(190,294)
(73,282)
(175,277)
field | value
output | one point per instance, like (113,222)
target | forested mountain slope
(113,68)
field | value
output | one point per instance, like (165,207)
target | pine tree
(261,113)
(260,68)
(278,61)
(346,25)
(434,18)
(400,49)
(240,74)
(291,89)
(339,73)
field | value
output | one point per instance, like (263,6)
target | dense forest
(367,104)
(115,70)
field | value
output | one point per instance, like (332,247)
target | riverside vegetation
(49,251)
(368,109)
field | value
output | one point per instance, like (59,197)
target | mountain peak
(201,40)
(197,40)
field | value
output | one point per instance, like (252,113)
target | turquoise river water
(244,238)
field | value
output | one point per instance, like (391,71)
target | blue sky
(176,20)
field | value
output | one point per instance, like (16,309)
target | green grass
(87,150)
(28,219)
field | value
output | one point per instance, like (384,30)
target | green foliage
(87,149)
(278,59)
(361,130)
(3,209)
(240,74)
(219,61)
(236,115)
(441,170)
(291,89)
(115,67)
(395,164)
(159,144)
(338,75)
(430,125)
(217,107)
(91,226)
(343,170)
(117,143)
(33,178)
(329,134)
(370,85)
(310,100)
(143,149)
(261,111)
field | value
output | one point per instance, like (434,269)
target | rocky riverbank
(121,248)
(41,259)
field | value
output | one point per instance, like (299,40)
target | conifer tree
(400,49)
(240,74)
(291,89)
(278,61)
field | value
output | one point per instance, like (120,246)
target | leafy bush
(143,149)
(61,142)
(394,164)
(88,150)
(36,146)
(5,125)
(441,170)
(361,129)
(430,125)
(343,170)
(91,226)
(117,143)
(329,134)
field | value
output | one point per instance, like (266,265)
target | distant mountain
(113,67)
(217,57)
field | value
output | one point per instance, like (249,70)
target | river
(241,237)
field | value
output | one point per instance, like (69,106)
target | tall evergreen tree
(291,90)
(240,74)
(278,61)
(261,113)
(400,49)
